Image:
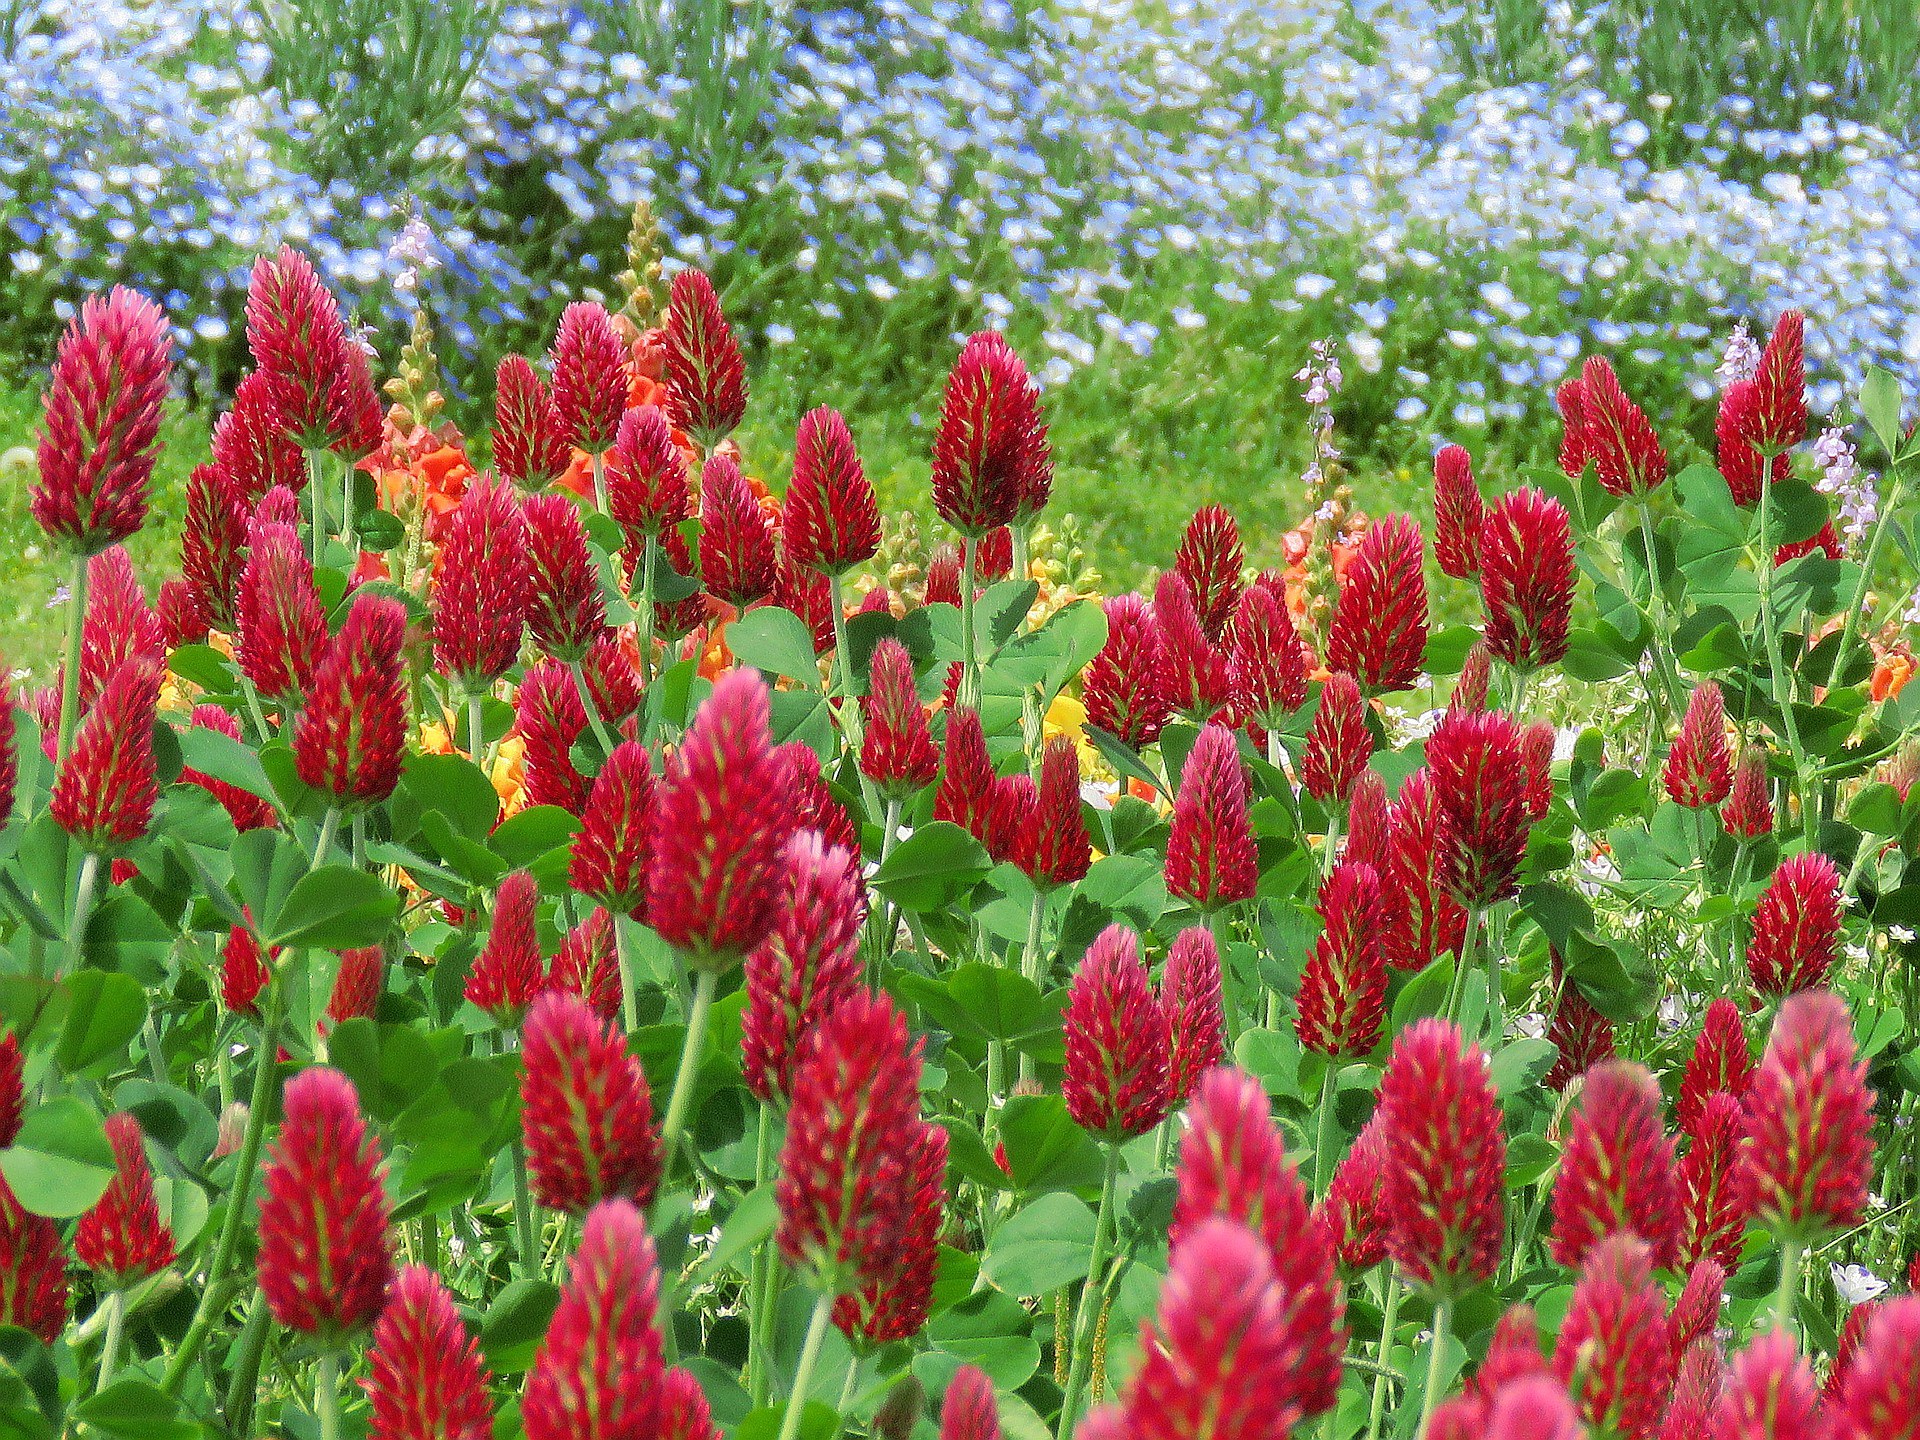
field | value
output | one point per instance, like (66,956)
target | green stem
(329,829)
(647,550)
(1657,605)
(1782,680)
(803,1374)
(346,511)
(476,707)
(592,707)
(430,1242)
(1089,1312)
(1323,1143)
(244,1384)
(326,1395)
(1849,632)
(600,482)
(689,1063)
(83,894)
(317,497)
(70,675)
(969,647)
(1789,1288)
(629,992)
(248,689)
(760,1312)
(526,1242)
(116,1308)
(1442,1332)
(1390,1315)
(842,651)
(1030,965)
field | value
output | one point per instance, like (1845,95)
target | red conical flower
(1699,772)
(357,984)
(1210,851)
(282,627)
(992,555)
(181,616)
(213,543)
(1536,764)
(967,780)
(897,753)
(1424,919)
(589,377)
(814,805)
(1118,1042)
(722,819)
(480,588)
(1479,787)
(586,1115)
(943,576)
(1616,436)
(529,437)
(506,973)
(1369,826)
(1617,1169)
(1769,1394)
(1778,417)
(550,717)
(425,1378)
(990,458)
(1195,677)
(894,1307)
(1051,845)
(1196,1016)
(684,1412)
(1475,678)
(1513,1353)
(252,446)
(808,594)
(1379,633)
(1613,1349)
(565,609)
(1446,1159)
(348,739)
(831,522)
(1742,466)
(647,483)
(321,386)
(1845,1350)
(105,792)
(706,378)
(845,1196)
(1582,1035)
(737,560)
(1209,560)
(1713,1207)
(599,1374)
(611,678)
(587,966)
(119,624)
(1881,1398)
(1796,927)
(1806,1152)
(1458,513)
(12,1089)
(123,1237)
(1338,742)
(324,1258)
(1526,578)
(1571,401)
(969,1411)
(1121,688)
(610,852)
(810,962)
(1343,988)
(33,1270)
(100,440)
(1720,1061)
(1269,664)
(1748,813)
(244,972)
(1352,1212)
(1696,1311)
(1533,1408)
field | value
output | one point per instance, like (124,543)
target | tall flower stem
(1782,679)
(323,842)
(1442,1332)
(1323,1141)
(1030,962)
(83,893)
(1089,1312)
(70,675)
(842,651)
(600,482)
(803,1373)
(326,1395)
(1389,1316)
(592,707)
(526,1242)
(317,497)
(1657,608)
(1789,1288)
(690,1051)
(647,551)
(969,643)
(116,1307)
(475,710)
(243,1385)
(760,1315)
(346,509)
(623,958)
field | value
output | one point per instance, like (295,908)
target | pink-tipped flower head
(1424,919)
(1699,771)
(1343,988)
(722,820)
(1051,845)
(1338,741)
(647,486)
(1211,861)
(1582,1035)
(529,437)
(1748,813)
(282,625)
(1352,1212)
(348,740)
(814,805)
(1526,578)
(33,1270)
(357,984)
(1777,419)
(123,1238)
(897,752)
(565,609)
(1379,633)
(589,377)
(990,461)
(213,543)
(1446,1159)
(425,1378)
(1479,784)
(831,522)
(969,1411)
(806,966)
(706,378)
(1269,664)
(1534,1407)
(1613,1349)
(244,972)
(1369,823)
(1196,1016)
(1696,1310)
(1769,1394)
(1121,687)
(1795,941)
(181,615)
(1118,1042)
(506,973)
(549,718)
(684,1411)
(894,1306)
(599,1374)
(808,594)
(1880,1399)
(1209,559)
(102,428)
(1458,513)
(480,588)
(1616,436)
(1721,1061)
(325,1260)
(737,557)
(251,443)
(1713,1206)
(1617,1169)
(586,1114)
(321,385)
(105,793)
(610,852)
(1195,676)
(1806,1153)
(119,624)
(1536,764)
(1696,1393)
(1513,1353)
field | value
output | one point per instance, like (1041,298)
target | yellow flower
(1068,717)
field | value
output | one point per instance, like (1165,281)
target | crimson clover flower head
(282,626)
(894,1307)
(425,1378)
(1582,1035)
(1458,513)
(1513,1353)
(213,543)
(1748,813)
(706,377)
(1526,578)
(1534,1407)
(252,446)
(1777,419)
(684,1411)
(348,740)
(1338,741)
(610,852)
(1051,845)
(1269,664)
(565,609)
(1613,1348)
(1880,1398)
(587,965)
(1194,675)
(1699,770)
(1121,687)
(506,973)
(1475,679)
(589,377)
(1720,1061)
(814,805)
(991,464)
(737,555)
(1617,1169)
(897,752)
(969,1410)
(549,718)
(119,624)
(1795,940)
(357,984)
(1117,1040)
(1769,1394)
(1351,1212)
(1369,824)
(1210,559)
(1742,466)
(1616,435)
(1696,1310)
(1713,1206)
(967,779)
(33,1270)
(1379,633)
(481,586)
(1479,784)
(181,616)
(647,485)
(586,1114)
(318,379)
(1211,859)
(1196,1016)
(1696,1393)
(529,436)
(1423,919)
(1571,401)
(831,521)
(1343,987)
(105,793)
(244,972)
(122,1237)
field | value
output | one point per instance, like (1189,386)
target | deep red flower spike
(589,377)
(481,587)
(1196,1016)
(1536,764)
(1051,845)
(647,483)
(1479,786)
(425,1378)
(1379,633)
(1446,1159)
(278,506)
(321,385)
(1352,1213)
(1617,1169)
(1267,662)
(1343,987)
(351,731)
(737,559)
(1699,770)
(213,543)
(1713,1206)
(506,973)
(1369,825)
(1513,1353)
(814,805)
(182,618)
(1195,677)
(1833,1389)
(1616,435)
(1769,1394)
(807,965)
(684,1411)
(1742,466)
(357,984)
(1211,861)
(844,1197)
(1806,1150)
(967,780)
(1476,677)
(324,1257)
(12,1089)
(550,717)
(1458,513)
(897,752)
(122,1238)
(1827,540)
(608,862)
(1571,401)
(1778,417)
(1720,1060)
(1424,920)
(1795,940)
(611,678)
(282,627)
(1338,741)
(244,972)
(943,578)
(101,434)
(831,522)
(1121,687)
(1118,1042)
(1526,579)
(33,1270)
(673,622)
(119,624)
(808,594)
(894,1307)
(105,793)
(599,1373)
(1748,813)
(586,1115)
(1696,1391)
(587,965)
(565,609)
(1015,800)
(1696,1310)
(992,555)
(1880,1399)
(1582,1035)
(722,820)
(969,1411)
(529,437)
(1210,559)
(252,443)
(706,378)
(1613,1349)
(990,460)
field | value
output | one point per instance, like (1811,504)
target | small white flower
(1856,1283)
